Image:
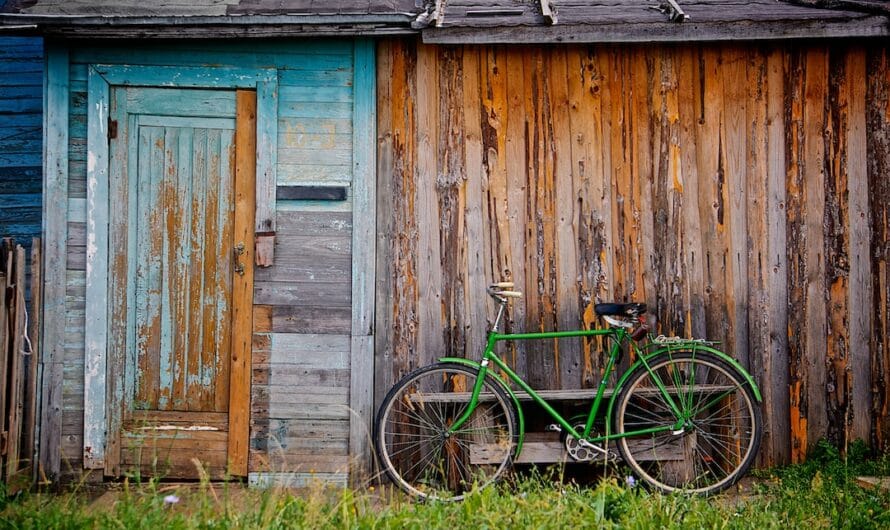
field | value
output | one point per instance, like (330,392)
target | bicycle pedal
(553,427)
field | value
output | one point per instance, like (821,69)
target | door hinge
(112,129)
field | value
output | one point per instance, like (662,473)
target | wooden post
(16,375)
(30,416)
(5,259)
(242,295)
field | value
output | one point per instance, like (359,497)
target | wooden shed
(257,216)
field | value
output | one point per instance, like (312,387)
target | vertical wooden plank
(689,96)
(775,380)
(216,207)
(451,198)
(171,271)
(757,253)
(735,149)
(150,237)
(221,296)
(119,234)
(516,161)
(477,252)
(814,178)
(620,180)
(7,313)
(542,358)
(860,293)
(565,267)
(386,237)
(197,395)
(242,288)
(429,278)
(267,151)
(588,97)
(398,297)
(878,147)
(55,213)
(96,325)
(837,260)
(796,243)
(16,376)
(712,182)
(364,258)
(34,326)
(644,98)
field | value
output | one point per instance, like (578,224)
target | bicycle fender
(503,384)
(682,346)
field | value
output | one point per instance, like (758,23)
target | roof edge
(866,27)
(203,26)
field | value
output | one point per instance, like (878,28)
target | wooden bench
(546,447)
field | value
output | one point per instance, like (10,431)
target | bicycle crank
(584,451)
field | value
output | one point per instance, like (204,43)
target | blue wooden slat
(341,77)
(168,233)
(183,56)
(316,125)
(95,328)
(315,110)
(55,221)
(309,174)
(267,143)
(33,79)
(363,256)
(315,94)
(193,102)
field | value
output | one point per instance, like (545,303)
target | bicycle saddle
(623,310)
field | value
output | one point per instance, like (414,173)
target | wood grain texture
(55,212)
(878,147)
(242,285)
(713,182)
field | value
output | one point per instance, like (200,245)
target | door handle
(239,251)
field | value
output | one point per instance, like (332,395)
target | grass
(821,493)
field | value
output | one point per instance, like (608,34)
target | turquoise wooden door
(174,152)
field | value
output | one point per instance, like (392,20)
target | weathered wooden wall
(740,190)
(21,111)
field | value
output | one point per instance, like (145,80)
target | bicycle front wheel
(415,446)
(699,423)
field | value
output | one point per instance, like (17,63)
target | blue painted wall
(21,110)
(310,285)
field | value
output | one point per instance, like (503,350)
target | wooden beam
(55,214)
(867,26)
(30,420)
(242,295)
(96,325)
(548,11)
(364,257)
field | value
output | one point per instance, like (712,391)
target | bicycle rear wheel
(415,447)
(715,439)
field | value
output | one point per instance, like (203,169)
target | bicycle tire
(714,447)
(414,447)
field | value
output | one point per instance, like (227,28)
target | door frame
(103,389)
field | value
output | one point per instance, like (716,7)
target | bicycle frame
(619,336)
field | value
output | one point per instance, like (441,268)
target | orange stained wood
(714,182)
(242,293)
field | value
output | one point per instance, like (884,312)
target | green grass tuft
(821,493)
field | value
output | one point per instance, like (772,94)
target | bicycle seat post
(502,305)
(499,292)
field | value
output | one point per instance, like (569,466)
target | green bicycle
(684,416)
